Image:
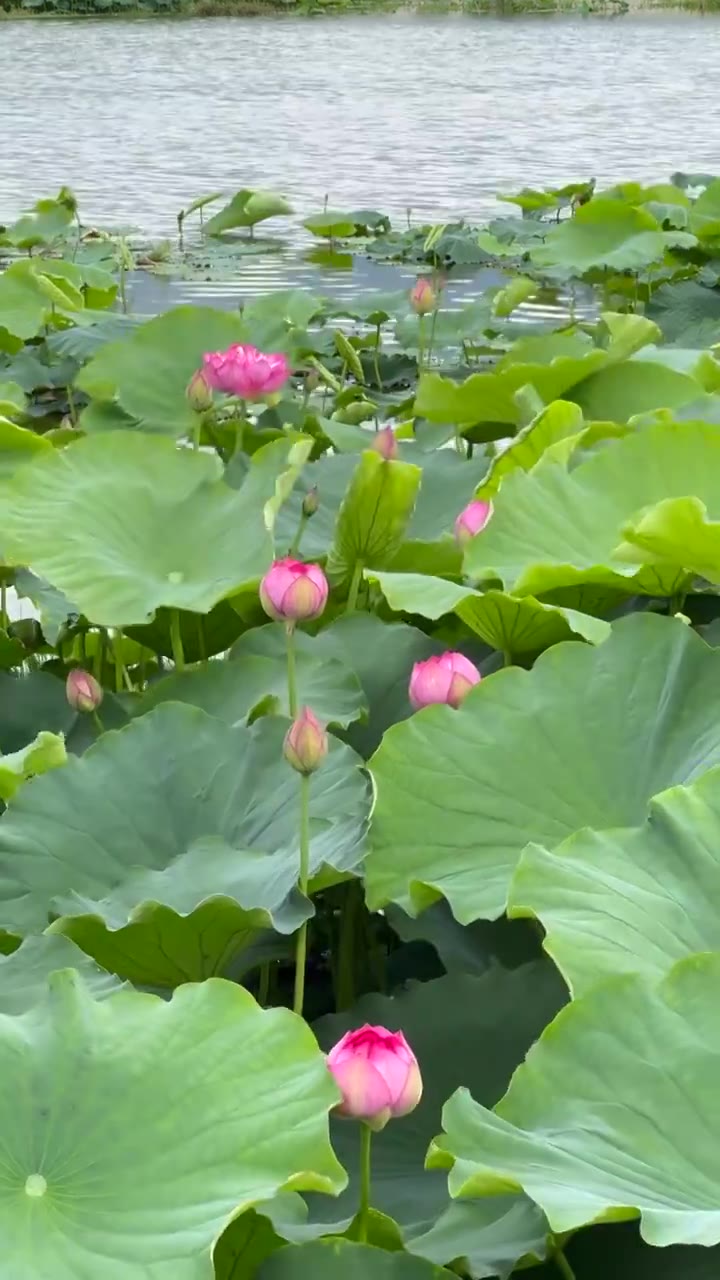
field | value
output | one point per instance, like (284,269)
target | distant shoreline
(190,9)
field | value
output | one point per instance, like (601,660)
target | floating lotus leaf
(608,233)
(596,1125)
(586,738)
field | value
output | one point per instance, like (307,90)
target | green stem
(432,335)
(676,603)
(354,587)
(264,985)
(376,364)
(122,677)
(507,658)
(421,343)
(364,1214)
(72,407)
(301,948)
(295,545)
(3,605)
(176,640)
(98,722)
(291,670)
(562,1263)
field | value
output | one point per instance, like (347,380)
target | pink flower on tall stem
(448,678)
(245,372)
(472,519)
(423,298)
(306,743)
(294,592)
(377,1074)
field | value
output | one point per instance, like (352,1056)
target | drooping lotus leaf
(27,300)
(512,625)
(327,1259)
(246,209)
(449,1022)
(586,738)
(373,516)
(24,973)
(46,751)
(608,233)
(171,843)
(143,524)
(135,1128)
(257,1233)
(255,673)
(48,219)
(558,526)
(18,445)
(676,529)
(632,900)
(614,1112)
(561,420)
(653,379)
(487,1237)
(147,373)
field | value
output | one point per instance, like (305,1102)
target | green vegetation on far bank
(13,9)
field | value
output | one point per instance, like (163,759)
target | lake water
(432,113)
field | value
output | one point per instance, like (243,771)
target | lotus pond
(450,769)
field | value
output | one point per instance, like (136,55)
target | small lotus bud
(293,592)
(306,743)
(83,691)
(448,678)
(311,502)
(377,1074)
(199,392)
(472,519)
(386,444)
(422,297)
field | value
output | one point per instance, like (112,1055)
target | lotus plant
(448,678)
(245,372)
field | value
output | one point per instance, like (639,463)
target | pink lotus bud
(385,444)
(422,297)
(472,519)
(378,1075)
(245,372)
(83,691)
(199,392)
(293,592)
(306,743)
(446,678)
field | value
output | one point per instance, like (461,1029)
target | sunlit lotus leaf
(560,526)
(595,1126)
(172,842)
(24,973)
(373,516)
(47,751)
(246,209)
(512,625)
(41,225)
(144,525)
(674,530)
(631,900)
(608,233)
(705,213)
(134,1128)
(146,374)
(537,756)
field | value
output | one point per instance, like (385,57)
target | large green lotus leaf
(327,1259)
(148,372)
(246,209)
(448,483)
(490,397)
(674,530)
(144,524)
(468,948)
(705,213)
(608,233)
(561,420)
(24,973)
(134,1129)
(46,751)
(17,446)
(257,1233)
(584,739)
(13,400)
(255,674)
(24,305)
(652,379)
(631,900)
(449,1023)
(558,527)
(172,842)
(513,626)
(596,1125)
(382,655)
(485,1237)
(48,219)
(373,516)
(31,704)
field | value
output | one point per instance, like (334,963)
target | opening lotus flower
(472,519)
(448,678)
(245,372)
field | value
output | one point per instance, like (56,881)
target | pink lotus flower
(306,743)
(378,1075)
(472,519)
(83,691)
(385,443)
(446,678)
(423,298)
(293,592)
(244,371)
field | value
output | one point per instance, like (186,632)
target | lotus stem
(365,1167)
(345,985)
(3,605)
(421,343)
(301,949)
(376,355)
(354,587)
(98,722)
(562,1263)
(431,343)
(176,640)
(291,670)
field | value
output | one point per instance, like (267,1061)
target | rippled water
(432,113)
